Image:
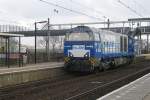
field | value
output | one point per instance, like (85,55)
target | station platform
(146,56)
(136,90)
(31,67)
(28,73)
(141,58)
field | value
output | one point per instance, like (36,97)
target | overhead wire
(128,7)
(141,6)
(71,10)
(82,5)
(87,7)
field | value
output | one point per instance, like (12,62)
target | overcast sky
(25,12)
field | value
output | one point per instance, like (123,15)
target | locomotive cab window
(125,44)
(79,37)
(97,37)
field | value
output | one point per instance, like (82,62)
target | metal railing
(13,28)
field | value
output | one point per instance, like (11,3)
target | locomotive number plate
(78,47)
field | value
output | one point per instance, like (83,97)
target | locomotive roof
(81,29)
(93,30)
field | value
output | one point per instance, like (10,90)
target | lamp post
(48,38)
(108,23)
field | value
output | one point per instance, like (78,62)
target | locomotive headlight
(87,55)
(70,54)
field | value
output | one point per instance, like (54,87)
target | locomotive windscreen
(78,37)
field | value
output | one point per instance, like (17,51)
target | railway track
(76,87)
(101,90)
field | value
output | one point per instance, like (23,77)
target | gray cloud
(27,11)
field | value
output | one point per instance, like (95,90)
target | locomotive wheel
(96,70)
(112,64)
(130,60)
(106,66)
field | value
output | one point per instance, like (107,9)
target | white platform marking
(128,89)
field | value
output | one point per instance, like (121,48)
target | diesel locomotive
(89,49)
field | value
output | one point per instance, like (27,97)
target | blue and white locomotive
(89,49)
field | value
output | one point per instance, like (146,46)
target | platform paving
(137,90)
(31,67)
